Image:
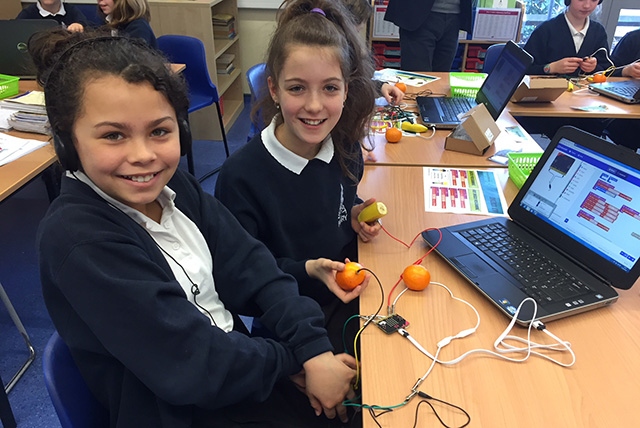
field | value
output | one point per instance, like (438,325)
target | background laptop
(580,207)
(14,35)
(627,91)
(495,92)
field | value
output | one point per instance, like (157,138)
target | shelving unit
(195,18)
(472,55)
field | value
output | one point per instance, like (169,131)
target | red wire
(417,262)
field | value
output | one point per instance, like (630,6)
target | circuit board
(392,323)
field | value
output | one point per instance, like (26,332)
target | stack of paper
(12,148)
(28,112)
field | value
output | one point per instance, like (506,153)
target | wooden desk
(416,151)
(16,174)
(600,390)
(562,107)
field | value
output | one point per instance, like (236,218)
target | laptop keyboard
(452,107)
(627,90)
(540,278)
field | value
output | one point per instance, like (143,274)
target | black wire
(381,301)
(428,397)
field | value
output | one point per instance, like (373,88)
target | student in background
(294,186)
(69,16)
(626,54)
(361,10)
(569,44)
(130,18)
(143,273)
(429,31)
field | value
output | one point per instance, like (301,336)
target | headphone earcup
(66,151)
(185,136)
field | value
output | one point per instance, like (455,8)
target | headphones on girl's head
(68,156)
(63,141)
(568,2)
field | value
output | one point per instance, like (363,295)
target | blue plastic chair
(74,403)
(491,57)
(202,91)
(257,79)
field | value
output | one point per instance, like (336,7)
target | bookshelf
(195,18)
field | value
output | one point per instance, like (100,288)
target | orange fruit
(351,276)
(599,78)
(416,277)
(401,86)
(393,135)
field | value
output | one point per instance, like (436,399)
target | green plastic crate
(465,84)
(8,86)
(520,166)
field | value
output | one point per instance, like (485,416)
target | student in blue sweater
(69,16)
(569,44)
(143,273)
(626,54)
(128,18)
(294,186)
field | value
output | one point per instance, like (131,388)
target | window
(628,20)
(538,11)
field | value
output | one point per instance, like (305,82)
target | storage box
(475,134)
(465,84)
(520,166)
(474,64)
(8,86)
(536,89)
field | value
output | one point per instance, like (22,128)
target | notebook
(627,91)
(14,35)
(580,210)
(495,92)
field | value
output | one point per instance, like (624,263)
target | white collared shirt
(578,36)
(181,240)
(286,157)
(45,13)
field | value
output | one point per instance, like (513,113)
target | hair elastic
(318,10)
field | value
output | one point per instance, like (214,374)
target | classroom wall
(255,27)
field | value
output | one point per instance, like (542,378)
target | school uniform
(67,15)
(146,352)
(626,51)
(625,131)
(552,40)
(300,209)
(139,29)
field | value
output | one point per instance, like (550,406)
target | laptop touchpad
(473,266)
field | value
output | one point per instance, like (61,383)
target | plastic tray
(521,165)
(465,84)
(8,86)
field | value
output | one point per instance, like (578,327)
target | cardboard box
(539,89)
(475,134)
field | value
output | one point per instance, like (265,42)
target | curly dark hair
(66,60)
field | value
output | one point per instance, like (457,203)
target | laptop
(14,35)
(579,212)
(627,91)
(495,92)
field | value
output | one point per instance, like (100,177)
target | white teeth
(312,122)
(139,178)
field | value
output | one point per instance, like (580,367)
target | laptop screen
(591,198)
(504,79)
